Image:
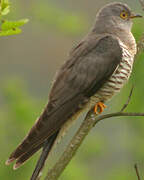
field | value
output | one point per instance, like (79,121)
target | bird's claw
(99,108)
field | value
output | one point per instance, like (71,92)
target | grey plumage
(91,70)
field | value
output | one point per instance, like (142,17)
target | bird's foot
(99,108)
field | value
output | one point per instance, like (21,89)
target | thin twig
(118,114)
(128,101)
(137,171)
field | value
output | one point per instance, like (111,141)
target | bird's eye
(124,15)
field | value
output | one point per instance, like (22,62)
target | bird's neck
(124,35)
(128,39)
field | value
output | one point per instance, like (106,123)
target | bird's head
(115,16)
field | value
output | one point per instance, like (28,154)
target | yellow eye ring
(124,15)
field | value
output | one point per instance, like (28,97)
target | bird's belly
(117,80)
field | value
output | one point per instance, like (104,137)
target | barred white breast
(118,78)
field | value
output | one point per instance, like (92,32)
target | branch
(129,98)
(137,171)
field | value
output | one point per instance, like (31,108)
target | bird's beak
(135,16)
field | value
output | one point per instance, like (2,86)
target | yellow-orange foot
(99,107)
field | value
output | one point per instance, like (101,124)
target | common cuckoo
(96,69)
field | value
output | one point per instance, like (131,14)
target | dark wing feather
(89,66)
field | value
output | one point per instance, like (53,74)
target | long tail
(45,128)
(46,149)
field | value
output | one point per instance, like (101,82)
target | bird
(96,69)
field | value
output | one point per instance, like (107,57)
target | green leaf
(5,11)
(10,32)
(7,25)
(4,7)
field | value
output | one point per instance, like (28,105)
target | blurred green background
(28,63)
